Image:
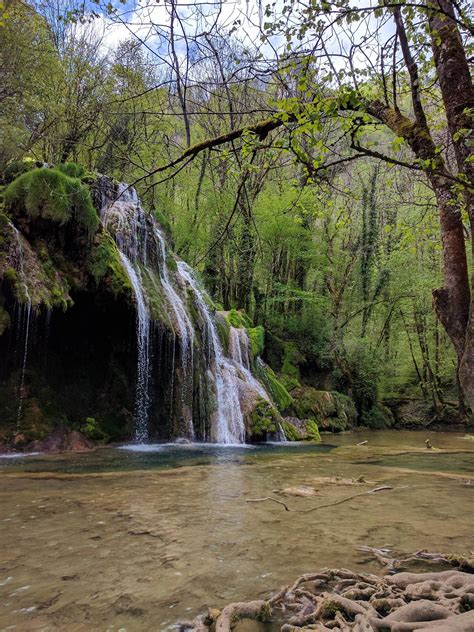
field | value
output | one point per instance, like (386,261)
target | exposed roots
(342,601)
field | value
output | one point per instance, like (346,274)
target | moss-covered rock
(256,337)
(104,264)
(264,420)
(331,410)
(300,429)
(52,195)
(223,330)
(273,386)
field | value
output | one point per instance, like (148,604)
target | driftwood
(343,601)
(394,564)
(333,504)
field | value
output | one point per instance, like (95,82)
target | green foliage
(72,169)
(377,418)
(234,318)
(16,168)
(257,340)
(164,222)
(92,430)
(52,195)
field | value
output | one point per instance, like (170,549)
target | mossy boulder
(330,409)
(52,195)
(300,429)
(264,420)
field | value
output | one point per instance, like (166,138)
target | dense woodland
(312,160)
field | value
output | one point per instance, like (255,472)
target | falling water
(142,404)
(239,351)
(185,330)
(131,237)
(229,427)
(24,323)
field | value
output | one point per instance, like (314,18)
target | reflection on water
(137,540)
(154,456)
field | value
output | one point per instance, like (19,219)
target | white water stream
(24,323)
(229,425)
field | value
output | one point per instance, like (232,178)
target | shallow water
(120,539)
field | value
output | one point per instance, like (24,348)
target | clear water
(140,539)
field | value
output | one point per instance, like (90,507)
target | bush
(52,195)
(16,168)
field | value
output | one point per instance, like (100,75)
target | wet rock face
(61,440)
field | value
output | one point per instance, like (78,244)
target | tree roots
(342,601)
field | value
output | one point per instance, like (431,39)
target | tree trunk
(458,98)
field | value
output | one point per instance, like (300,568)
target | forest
(233,233)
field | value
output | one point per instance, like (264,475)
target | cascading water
(131,238)
(24,320)
(143,253)
(142,402)
(185,330)
(239,350)
(229,425)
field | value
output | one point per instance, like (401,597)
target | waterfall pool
(140,537)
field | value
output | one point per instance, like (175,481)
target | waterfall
(24,325)
(130,232)
(185,330)
(142,400)
(229,423)
(239,351)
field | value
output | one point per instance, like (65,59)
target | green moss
(257,340)
(312,430)
(264,419)
(377,418)
(11,275)
(104,263)
(333,411)
(274,387)
(291,432)
(52,195)
(157,303)
(234,319)
(223,330)
(72,169)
